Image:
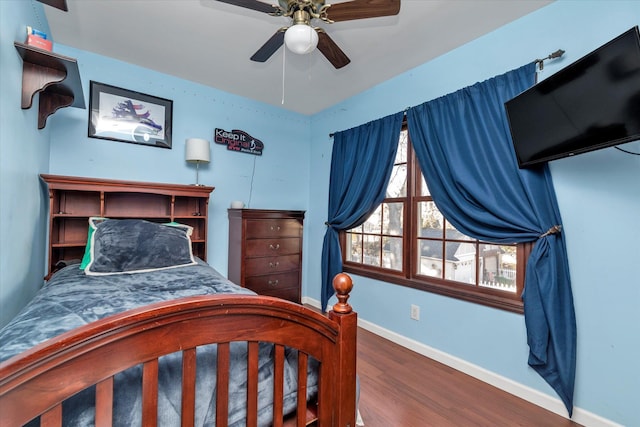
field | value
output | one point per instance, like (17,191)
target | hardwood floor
(401,388)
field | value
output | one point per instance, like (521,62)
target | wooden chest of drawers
(265,251)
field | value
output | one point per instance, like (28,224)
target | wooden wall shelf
(58,4)
(55,76)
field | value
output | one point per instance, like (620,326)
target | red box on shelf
(33,40)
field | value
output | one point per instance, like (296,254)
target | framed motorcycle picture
(123,115)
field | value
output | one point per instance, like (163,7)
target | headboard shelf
(72,200)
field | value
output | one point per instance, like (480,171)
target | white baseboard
(529,394)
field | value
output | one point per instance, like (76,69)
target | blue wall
(24,153)
(599,198)
(597,192)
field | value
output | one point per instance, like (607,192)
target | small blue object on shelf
(35,32)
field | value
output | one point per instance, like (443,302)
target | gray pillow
(137,246)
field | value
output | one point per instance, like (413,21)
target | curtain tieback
(553,230)
(327,224)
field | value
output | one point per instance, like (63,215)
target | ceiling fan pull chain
(309,73)
(284,53)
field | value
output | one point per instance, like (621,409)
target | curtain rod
(557,54)
(404,111)
(539,62)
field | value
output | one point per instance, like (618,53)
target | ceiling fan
(300,37)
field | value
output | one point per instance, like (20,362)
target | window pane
(393,215)
(454,234)
(403,147)
(373,223)
(461,262)
(357,229)
(372,250)
(392,253)
(424,190)
(430,220)
(354,247)
(498,267)
(398,182)
(430,258)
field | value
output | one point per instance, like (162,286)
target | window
(409,242)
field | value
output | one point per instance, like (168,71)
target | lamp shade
(197,150)
(301,39)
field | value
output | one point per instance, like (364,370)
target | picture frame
(124,115)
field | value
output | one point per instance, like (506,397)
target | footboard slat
(301,416)
(278,385)
(188,387)
(52,418)
(104,403)
(222,385)
(252,383)
(150,393)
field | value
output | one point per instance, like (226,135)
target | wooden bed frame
(36,382)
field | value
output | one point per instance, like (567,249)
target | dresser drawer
(268,265)
(258,229)
(272,247)
(291,294)
(273,282)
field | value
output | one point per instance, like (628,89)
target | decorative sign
(238,140)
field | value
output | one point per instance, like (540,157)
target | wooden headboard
(72,200)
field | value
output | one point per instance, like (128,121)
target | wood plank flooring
(401,388)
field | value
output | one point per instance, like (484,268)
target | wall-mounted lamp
(197,151)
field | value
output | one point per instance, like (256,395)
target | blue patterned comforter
(72,299)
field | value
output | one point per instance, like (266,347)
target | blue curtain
(463,146)
(361,165)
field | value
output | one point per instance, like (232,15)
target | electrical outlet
(415,312)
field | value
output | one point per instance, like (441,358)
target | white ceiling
(209,42)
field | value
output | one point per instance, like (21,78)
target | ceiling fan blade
(361,9)
(251,4)
(270,47)
(331,51)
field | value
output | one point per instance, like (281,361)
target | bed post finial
(347,320)
(342,284)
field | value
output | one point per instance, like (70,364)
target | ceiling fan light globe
(301,39)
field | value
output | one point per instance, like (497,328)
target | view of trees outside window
(379,241)
(432,248)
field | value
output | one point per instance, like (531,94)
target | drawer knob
(274,264)
(275,228)
(273,283)
(276,247)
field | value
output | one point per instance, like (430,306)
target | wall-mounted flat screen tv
(592,103)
